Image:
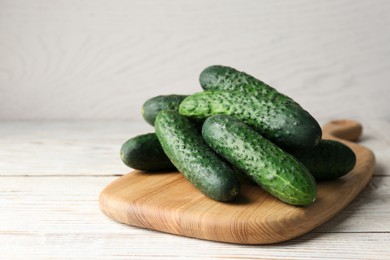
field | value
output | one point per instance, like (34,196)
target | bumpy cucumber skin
(282,121)
(329,160)
(152,106)
(218,77)
(144,153)
(184,146)
(274,170)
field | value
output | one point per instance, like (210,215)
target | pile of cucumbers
(238,129)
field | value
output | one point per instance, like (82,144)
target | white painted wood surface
(53,171)
(103,59)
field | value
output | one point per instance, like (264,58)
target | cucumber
(144,153)
(152,106)
(329,160)
(273,169)
(218,77)
(282,121)
(185,147)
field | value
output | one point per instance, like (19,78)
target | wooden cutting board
(167,202)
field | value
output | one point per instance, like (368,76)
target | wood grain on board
(168,202)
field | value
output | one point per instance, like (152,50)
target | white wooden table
(51,174)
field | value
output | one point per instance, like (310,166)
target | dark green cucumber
(283,122)
(329,160)
(185,147)
(273,169)
(218,77)
(154,105)
(144,153)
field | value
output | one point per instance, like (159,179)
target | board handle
(346,129)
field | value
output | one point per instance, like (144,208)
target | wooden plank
(141,244)
(65,147)
(60,217)
(71,147)
(93,59)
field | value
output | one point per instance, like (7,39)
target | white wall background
(62,59)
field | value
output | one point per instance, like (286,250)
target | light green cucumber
(273,169)
(283,122)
